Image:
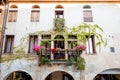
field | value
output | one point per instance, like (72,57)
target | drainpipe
(4,27)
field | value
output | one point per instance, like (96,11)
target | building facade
(31,22)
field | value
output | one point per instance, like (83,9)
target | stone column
(52,46)
(66,47)
(82,75)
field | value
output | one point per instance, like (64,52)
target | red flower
(81,47)
(53,49)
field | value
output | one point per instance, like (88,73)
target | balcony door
(59,42)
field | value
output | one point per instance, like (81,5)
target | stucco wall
(105,15)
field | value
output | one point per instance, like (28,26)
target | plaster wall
(105,15)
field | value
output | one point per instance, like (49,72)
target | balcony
(59,23)
(58,57)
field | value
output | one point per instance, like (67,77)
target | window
(35,13)
(88,16)
(112,49)
(12,14)
(33,39)
(90,44)
(87,13)
(58,14)
(9,43)
(59,11)
(59,17)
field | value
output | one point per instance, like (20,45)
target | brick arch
(35,6)
(13,6)
(59,6)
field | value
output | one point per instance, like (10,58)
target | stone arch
(108,72)
(18,71)
(59,41)
(13,6)
(45,71)
(59,37)
(61,74)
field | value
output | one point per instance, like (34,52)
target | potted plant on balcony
(80,49)
(52,50)
(80,63)
(45,60)
(38,49)
(70,61)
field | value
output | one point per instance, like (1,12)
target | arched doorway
(19,75)
(110,74)
(59,42)
(59,75)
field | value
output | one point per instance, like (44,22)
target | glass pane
(8,50)
(31,44)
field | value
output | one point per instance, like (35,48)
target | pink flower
(37,47)
(81,47)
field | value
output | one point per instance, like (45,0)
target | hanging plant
(46,43)
(70,61)
(45,60)
(59,23)
(80,63)
(88,30)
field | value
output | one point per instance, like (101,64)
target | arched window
(87,13)
(35,13)
(59,12)
(59,17)
(13,13)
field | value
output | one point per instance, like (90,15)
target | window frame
(36,19)
(87,8)
(88,18)
(11,43)
(91,44)
(35,37)
(13,13)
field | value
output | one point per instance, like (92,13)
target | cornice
(68,1)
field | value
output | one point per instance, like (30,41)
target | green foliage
(80,63)
(21,50)
(45,60)
(59,23)
(88,30)
(70,61)
(12,57)
(46,43)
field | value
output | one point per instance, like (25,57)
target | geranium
(37,47)
(53,49)
(81,47)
